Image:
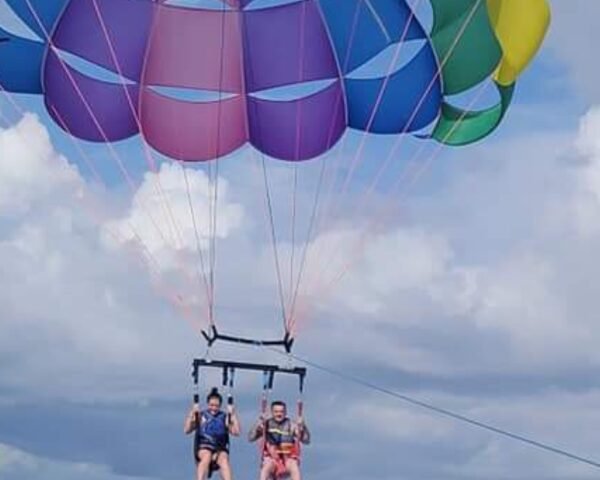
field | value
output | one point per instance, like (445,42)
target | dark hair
(278,403)
(214,393)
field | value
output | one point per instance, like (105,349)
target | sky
(474,289)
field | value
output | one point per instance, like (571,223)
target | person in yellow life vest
(281,438)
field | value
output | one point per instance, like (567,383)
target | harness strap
(196,399)
(263,410)
(297,442)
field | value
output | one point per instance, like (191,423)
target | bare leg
(224,466)
(267,470)
(203,464)
(293,469)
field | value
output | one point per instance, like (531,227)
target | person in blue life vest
(281,439)
(212,427)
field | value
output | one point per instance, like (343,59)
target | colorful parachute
(241,49)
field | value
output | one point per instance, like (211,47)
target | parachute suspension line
(94,119)
(205,263)
(271,219)
(363,137)
(201,277)
(273,232)
(150,160)
(347,377)
(329,188)
(324,289)
(325,173)
(402,188)
(112,152)
(173,226)
(333,205)
(293,242)
(417,108)
(309,237)
(259,162)
(88,161)
(398,141)
(211,242)
(214,190)
(202,270)
(148,260)
(301,64)
(343,68)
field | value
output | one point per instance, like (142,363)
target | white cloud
(401,260)
(31,172)
(586,207)
(406,434)
(457,274)
(63,296)
(391,421)
(16,464)
(561,420)
(495,276)
(161,219)
(572,29)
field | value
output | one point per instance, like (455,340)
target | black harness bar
(286,342)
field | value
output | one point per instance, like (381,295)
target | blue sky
(477,294)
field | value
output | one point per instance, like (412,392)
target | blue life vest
(213,432)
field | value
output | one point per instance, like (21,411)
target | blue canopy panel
(360,29)
(411,98)
(47,11)
(20,64)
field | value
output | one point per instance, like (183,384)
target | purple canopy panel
(298,129)
(91,28)
(195,49)
(285,45)
(190,130)
(86,107)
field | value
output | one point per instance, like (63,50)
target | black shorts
(212,448)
